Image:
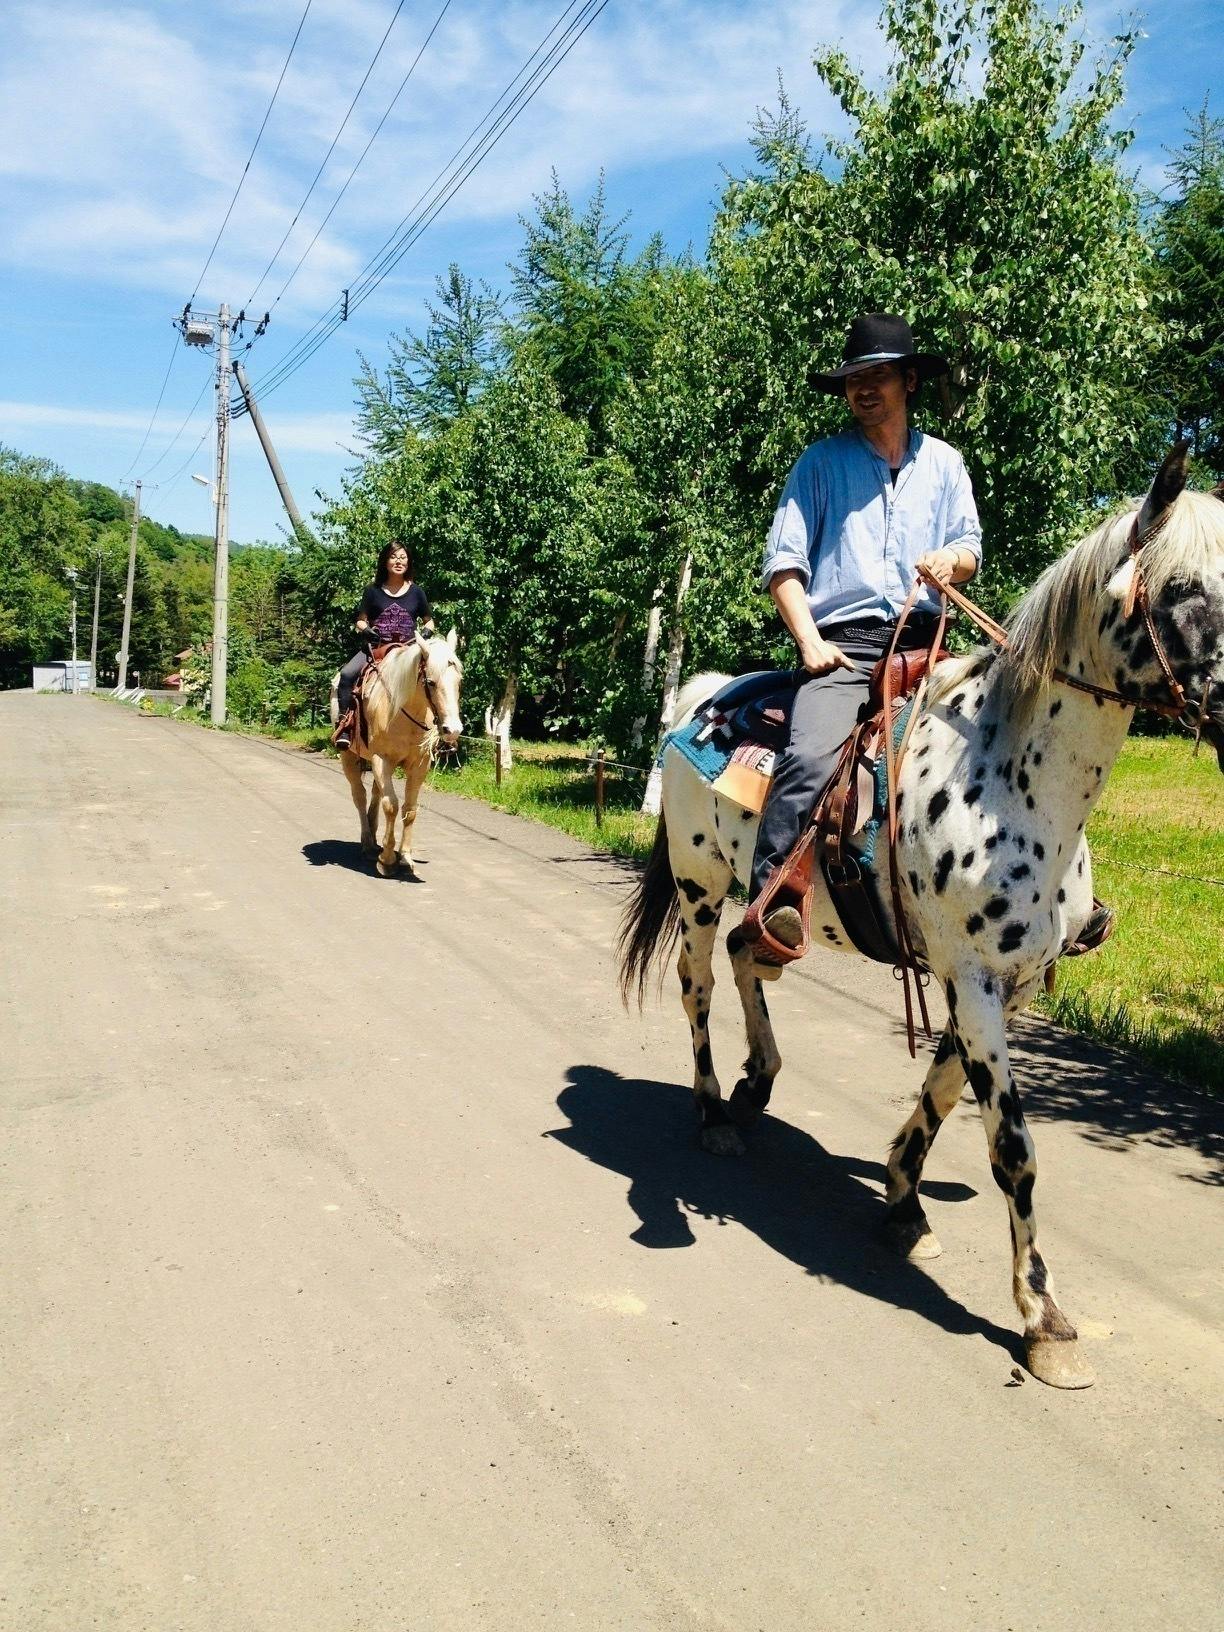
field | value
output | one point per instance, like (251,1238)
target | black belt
(920,623)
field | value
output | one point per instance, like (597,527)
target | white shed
(57,675)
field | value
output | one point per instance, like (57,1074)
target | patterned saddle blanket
(734,738)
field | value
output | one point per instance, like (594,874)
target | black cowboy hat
(879,337)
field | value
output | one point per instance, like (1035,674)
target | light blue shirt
(855,539)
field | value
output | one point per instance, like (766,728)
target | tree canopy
(585,469)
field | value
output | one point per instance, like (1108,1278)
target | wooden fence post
(497,760)
(599,788)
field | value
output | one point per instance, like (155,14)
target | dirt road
(361,1269)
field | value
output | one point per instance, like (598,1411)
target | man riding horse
(859,514)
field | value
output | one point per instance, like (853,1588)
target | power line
(305,347)
(386,115)
(251,155)
(187,420)
(165,486)
(250,300)
(587,11)
(153,415)
(559,52)
(430,204)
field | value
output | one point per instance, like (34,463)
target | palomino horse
(1005,763)
(410,701)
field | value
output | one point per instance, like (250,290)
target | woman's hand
(821,656)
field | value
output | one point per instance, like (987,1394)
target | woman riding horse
(390,611)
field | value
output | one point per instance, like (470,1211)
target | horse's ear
(452,640)
(421,641)
(1170,480)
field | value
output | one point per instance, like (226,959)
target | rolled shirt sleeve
(796,523)
(853,531)
(963,530)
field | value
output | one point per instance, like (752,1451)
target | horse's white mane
(400,669)
(1060,613)
(694,692)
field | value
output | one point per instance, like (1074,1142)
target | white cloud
(153,122)
(18,416)
(304,433)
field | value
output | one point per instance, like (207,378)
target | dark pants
(826,708)
(347,680)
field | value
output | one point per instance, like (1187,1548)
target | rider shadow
(343,853)
(1115,1101)
(1110,1098)
(811,1206)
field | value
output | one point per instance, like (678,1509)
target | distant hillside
(51,522)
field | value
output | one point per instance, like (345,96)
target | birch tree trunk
(499,719)
(652,803)
(650,657)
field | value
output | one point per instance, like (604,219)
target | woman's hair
(385,554)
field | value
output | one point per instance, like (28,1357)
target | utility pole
(121,683)
(220,640)
(203,329)
(265,441)
(76,679)
(93,644)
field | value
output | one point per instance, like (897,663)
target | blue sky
(124,128)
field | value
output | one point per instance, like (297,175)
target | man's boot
(775,936)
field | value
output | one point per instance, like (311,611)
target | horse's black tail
(651,920)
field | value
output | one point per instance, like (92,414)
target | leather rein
(1181,708)
(430,686)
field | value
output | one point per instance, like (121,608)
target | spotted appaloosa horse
(411,702)
(1004,766)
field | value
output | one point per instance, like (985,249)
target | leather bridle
(1186,710)
(1181,707)
(430,687)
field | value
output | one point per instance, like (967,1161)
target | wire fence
(1165,872)
(596,762)
(599,764)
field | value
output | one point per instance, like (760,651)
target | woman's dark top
(393,617)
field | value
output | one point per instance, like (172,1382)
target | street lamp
(71,574)
(205,481)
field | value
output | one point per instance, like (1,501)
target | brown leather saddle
(840,812)
(354,721)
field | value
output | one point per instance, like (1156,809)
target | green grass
(1157,987)
(554,784)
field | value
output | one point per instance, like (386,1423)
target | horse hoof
(386,869)
(926,1246)
(1060,1364)
(745,1107)
(722,1140)
(913,1241)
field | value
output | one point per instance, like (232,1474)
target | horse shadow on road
(344,853)
(815,1208)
